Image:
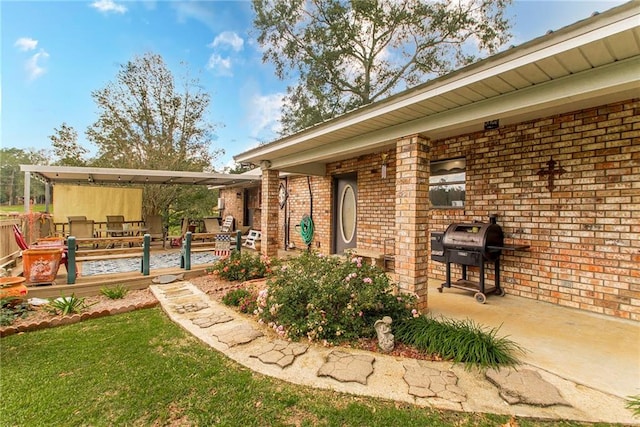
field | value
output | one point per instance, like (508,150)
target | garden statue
(385,337)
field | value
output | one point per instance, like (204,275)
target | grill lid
(477,236)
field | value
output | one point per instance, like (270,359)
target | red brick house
(545,135)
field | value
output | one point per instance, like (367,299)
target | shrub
(329,299)
(67,305)
(458,340)
(245,300)
(116,292)
(11,309)
(242,266)
(234,297)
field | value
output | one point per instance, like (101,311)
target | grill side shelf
(508,248)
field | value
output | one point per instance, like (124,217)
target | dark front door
(345,203)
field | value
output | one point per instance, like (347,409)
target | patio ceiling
(589,63)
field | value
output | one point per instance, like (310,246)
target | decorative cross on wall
(551,173)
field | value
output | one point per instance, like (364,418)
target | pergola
(87,175)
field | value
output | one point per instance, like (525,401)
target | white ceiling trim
(619,77)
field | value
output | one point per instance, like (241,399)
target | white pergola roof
(95,176)
(592,62)
(84,175)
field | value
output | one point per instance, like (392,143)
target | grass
(141,369)
(20,208)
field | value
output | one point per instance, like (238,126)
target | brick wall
(233,204)
(376,196)
(585,234)
(299,204)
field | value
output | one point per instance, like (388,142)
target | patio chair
(250,239)
(82,229)
(115,225)
(155,228)
(227,224)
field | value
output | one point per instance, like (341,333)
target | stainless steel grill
(471,244)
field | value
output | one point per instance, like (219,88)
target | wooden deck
(91,285)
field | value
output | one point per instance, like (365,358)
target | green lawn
(140,369)
(20,208)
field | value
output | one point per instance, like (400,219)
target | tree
(12,179)
(346,54)
(66,147)
(145,122)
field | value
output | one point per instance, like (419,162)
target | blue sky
(54,53)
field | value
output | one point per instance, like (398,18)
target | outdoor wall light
(384,165)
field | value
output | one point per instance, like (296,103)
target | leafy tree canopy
(12,180)
(146,122)
(346,54)
(65,146)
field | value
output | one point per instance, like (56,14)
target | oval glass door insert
(347,214)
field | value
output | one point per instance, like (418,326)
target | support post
(412,216)
(270,212)
(146,255)
(185,252)
(71,260)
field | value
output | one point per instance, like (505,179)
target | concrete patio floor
(598,351)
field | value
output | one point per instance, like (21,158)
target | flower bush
(242,266)
(329,299)
(245,300)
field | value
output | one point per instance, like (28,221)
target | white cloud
(228,38)
(34,66)
(221,66)
(107,6)
(264,115)
(26,43)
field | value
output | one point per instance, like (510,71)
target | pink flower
(367,280)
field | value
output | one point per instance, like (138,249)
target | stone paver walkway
(526,391)
(347,367)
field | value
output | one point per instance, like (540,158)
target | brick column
(412,211)
(270,212)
